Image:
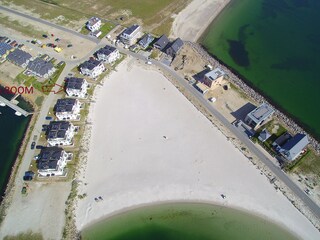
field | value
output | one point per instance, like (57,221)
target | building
(264,135)
(145,41)
(108,54)
(202,88)
(5,49)
(213,78)
(130,35)
(173,48)
(60,133)
(52,161)
(41,68)
(294,146)
(92,68)
(19,57)
(260,115)
(93,24)
(161,43)
(68,109)
(76,87)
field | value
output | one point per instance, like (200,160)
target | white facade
(108,57)
(93,24)
(131,34)
(69,113)
(80,92)
(60,136)
(92,71)
(54,164)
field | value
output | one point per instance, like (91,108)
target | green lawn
(106,28)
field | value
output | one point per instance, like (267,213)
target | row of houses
(35,66)
(53,159)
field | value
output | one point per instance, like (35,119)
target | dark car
(69,45)
(39,147)
(49,118)
(33,144)
(28,176)
(44,35)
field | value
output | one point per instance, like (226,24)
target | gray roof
(175,46)
(295,145)
(107,50)
(58,129)
(146,40)
(131,29)
(261,113)
(92,21)
(4,47)
(40,66)
(215,73)
(65,105)
(90,64)
(264,135)
(49,157)
(74,83)
(162,42)
(19,57)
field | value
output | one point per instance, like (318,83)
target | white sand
(130,163)
(192,21)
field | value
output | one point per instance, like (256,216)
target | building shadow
(242,112)
(199,76)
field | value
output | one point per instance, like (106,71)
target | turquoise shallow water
(185,221)
(12,129)
(274,45)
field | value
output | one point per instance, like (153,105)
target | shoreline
(255,94)
(90,215)
(182,201)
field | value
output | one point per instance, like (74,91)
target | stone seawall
(290,124)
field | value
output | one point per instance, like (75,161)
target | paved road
(275,169)
(39,20)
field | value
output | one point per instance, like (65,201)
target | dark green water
(12,129)
(275,45)
(185,221)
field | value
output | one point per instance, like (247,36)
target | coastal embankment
(254,95)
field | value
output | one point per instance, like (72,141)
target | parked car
(33,144)
(39,147)
(44,35)
(28,176)
(49,118)
(69,45)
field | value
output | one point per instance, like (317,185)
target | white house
(76,87)
(67,109)
(92,68)
(52,161)
(259,116)
(60,133)
(130,35)
(93,24)
(108,54)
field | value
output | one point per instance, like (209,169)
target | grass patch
(25,29)
(84,30)
(308,164)
(164,28)
(21,78)
(106,28)
(39,100)
(25,236)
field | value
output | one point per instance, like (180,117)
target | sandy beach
(149,144)
(198,14)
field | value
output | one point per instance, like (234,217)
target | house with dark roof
(294,146)
(92,68)
(94,24)
(19,57)
(41,68)
(259,116)
(52,161)
(130,35)
(5,48)
(264,135)
(68,109)
(76,87)
(145,41)
(60,133)
(173,48)
(161,43)
(108,54)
